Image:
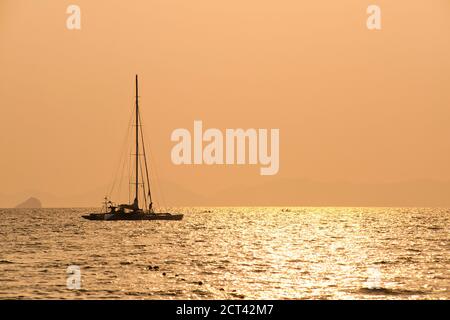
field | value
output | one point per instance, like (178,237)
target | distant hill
(273,191)
(30,203)
(166,194)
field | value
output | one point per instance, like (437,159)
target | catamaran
(133,211)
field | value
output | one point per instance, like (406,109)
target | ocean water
(229,253)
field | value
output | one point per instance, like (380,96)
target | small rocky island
(31,203)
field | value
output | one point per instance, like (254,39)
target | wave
(387,291)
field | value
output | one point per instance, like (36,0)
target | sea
(228,253)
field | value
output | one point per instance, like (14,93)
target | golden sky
(351,104)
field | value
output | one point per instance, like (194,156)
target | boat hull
(132,216)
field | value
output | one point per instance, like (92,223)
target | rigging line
(130,165)
(143,183)
(145,162)
(123,171)
(125,162)
(146,204)
(130,169)
(124,144)
(121,156)
(159,190)
(119,165)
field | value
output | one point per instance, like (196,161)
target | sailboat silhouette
(133,211)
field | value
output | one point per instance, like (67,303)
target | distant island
(272,191)
(30,203)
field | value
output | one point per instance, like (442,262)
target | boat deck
(133,216)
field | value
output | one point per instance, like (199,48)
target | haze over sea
(229,253)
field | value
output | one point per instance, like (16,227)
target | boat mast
(137,146)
